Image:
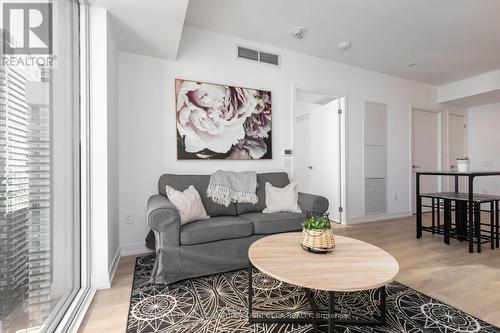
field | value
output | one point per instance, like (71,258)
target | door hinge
(341,209)
(340,111)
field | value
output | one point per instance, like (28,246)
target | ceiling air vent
(269,58)
(249,54)
(259,56)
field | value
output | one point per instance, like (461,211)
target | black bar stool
(462,228)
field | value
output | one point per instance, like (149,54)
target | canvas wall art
(222,122)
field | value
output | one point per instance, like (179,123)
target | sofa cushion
(277,179)
(188,203)
(200,182)
(271,223)
(282,199)
(215,228)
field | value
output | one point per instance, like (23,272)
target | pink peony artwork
(222,122)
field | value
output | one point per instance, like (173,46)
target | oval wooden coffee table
(354,265)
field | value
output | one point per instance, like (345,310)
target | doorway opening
(319,147)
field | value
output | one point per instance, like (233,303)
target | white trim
(114,265)
(86,297)
(134,249)
(380,217)
(76,311)
(344,155)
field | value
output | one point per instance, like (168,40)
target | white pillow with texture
(188,203)
(284,199)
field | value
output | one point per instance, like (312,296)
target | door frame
(343,170)
(411,108)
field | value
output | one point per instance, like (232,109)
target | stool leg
(447,221)
(439,214)
(433,216)
(497,224)
(470,233)
(477,225)
(492,223)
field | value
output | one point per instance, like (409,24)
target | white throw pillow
(188,203)
(284,199)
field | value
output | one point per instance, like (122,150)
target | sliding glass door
(40,220)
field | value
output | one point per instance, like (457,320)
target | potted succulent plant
(317,235)
(463,164)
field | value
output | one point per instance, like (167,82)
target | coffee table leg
(331,312)
(382,305)
(250,292)
(331,321)
(314,308)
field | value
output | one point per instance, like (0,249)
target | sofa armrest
(163,217)
(312,203)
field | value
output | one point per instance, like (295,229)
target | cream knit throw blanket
(228,186)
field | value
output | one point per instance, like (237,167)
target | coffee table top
(353,265)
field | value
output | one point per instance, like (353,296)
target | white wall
(147,146)
(483,145)
(103,147)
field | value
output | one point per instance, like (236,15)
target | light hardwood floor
(470,282)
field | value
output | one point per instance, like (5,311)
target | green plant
(317,223)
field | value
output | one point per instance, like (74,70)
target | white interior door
(426,153)
(457,147)
(302,159)
(324,149)
(317,154)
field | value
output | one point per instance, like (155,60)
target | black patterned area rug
(218,303)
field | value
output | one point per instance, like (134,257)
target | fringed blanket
(228,186)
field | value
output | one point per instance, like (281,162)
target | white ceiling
(148,27)
(448,39)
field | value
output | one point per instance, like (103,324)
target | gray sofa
(220,243)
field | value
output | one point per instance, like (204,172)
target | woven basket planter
(317,241)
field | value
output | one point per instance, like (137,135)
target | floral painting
(222,122)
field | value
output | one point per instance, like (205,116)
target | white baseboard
(114,265)
(380,217)
(134,249)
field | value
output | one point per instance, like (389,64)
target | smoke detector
(344,46)
(298,32)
